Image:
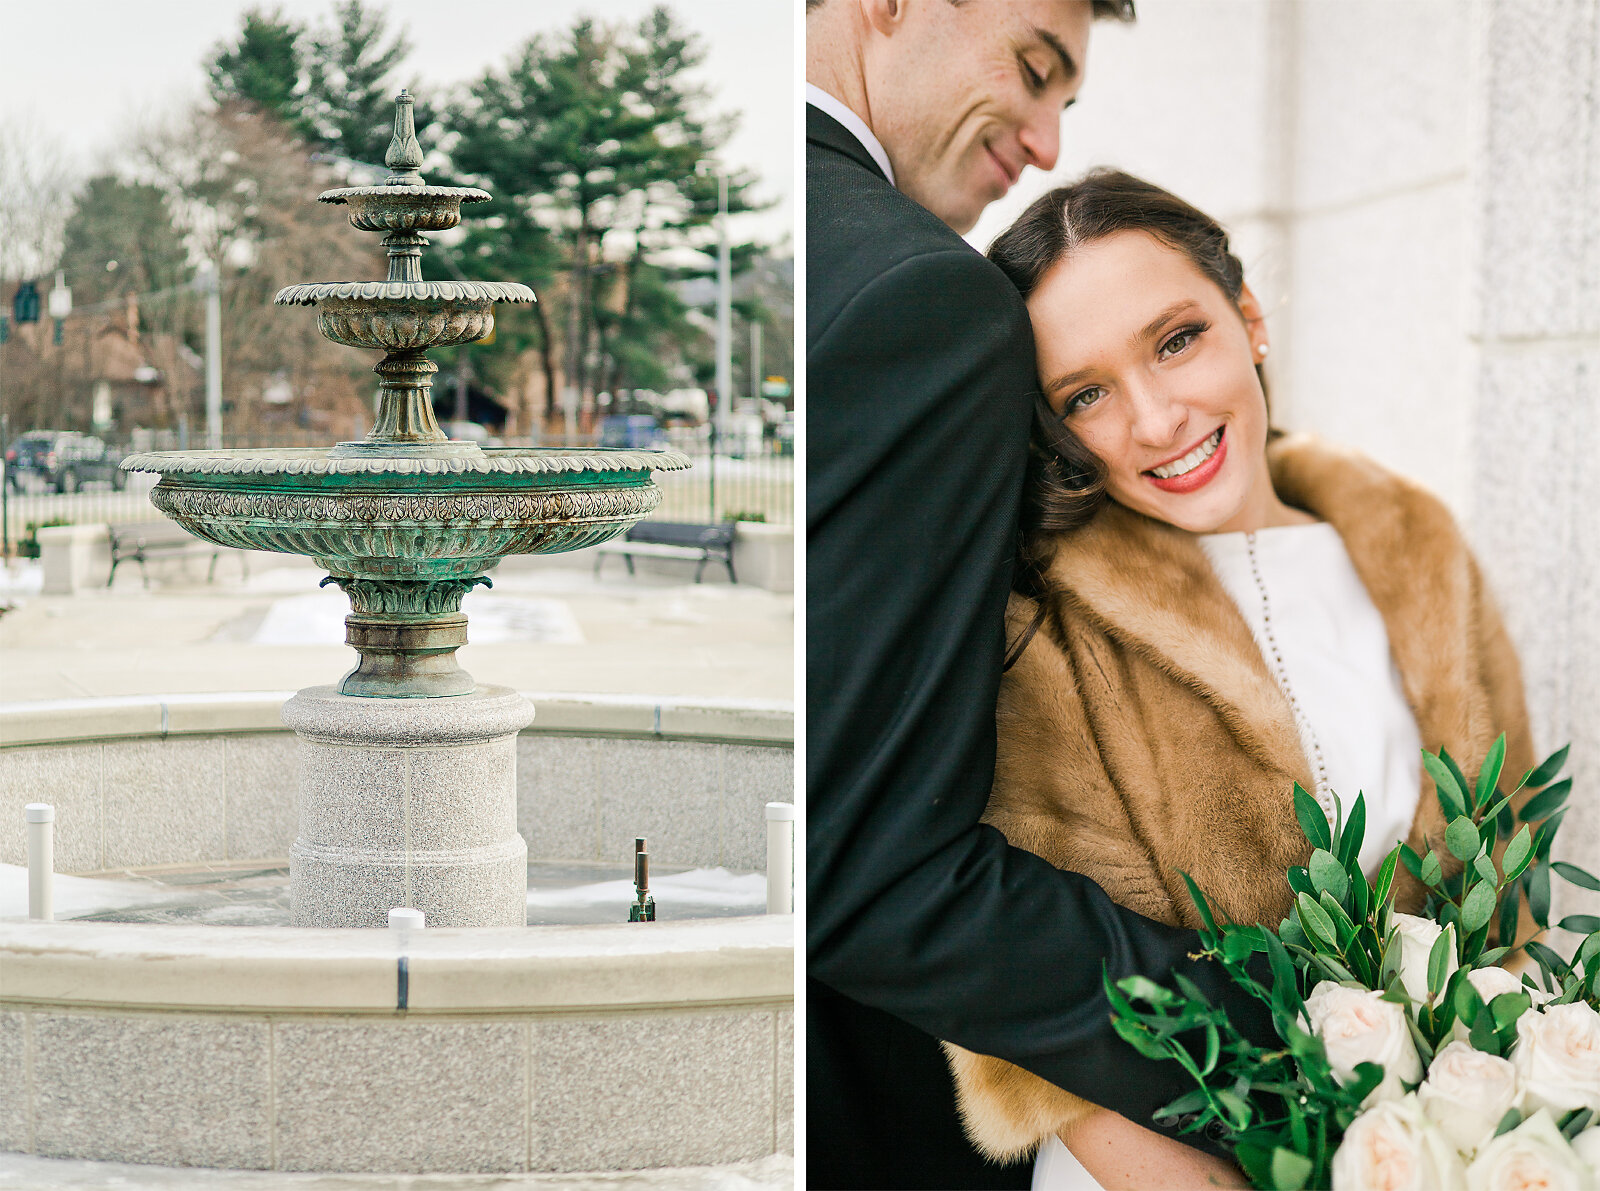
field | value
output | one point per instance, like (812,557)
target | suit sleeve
(919,400)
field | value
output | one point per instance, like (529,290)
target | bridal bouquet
(1408,1058)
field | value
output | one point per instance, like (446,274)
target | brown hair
(1066,483)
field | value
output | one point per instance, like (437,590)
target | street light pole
(724,312)
(213,290)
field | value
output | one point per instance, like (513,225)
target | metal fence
(757,486)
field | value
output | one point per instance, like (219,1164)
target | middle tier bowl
(403,316)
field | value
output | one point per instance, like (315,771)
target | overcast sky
(85,71)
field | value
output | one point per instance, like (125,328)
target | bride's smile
(1152,367)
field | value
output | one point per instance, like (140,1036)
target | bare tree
(35,198)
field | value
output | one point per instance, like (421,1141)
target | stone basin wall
(192,779)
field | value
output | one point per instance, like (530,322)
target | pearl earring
(1262,351)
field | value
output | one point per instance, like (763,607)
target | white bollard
(780,857)
(402,919)
(41,818)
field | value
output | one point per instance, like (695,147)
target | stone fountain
(407,783)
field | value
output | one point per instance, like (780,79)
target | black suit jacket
(920,375)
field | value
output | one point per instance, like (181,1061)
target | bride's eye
(1180,341)
(1081,400)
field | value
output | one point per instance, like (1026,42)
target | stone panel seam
(777,1073)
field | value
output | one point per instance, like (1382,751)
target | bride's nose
(1157,421)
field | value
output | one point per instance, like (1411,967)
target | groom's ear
(885,16)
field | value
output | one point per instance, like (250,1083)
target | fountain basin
(564,1048)
(285,1048)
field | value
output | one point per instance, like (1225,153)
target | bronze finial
(405,152)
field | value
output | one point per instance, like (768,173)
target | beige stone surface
(643,636)
(404,1096)
(715,1069)
(179,1090)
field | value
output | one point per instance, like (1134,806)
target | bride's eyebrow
(1153,327)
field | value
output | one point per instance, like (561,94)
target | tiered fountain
(407,790)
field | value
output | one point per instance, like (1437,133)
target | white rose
(1557,1057)
(1393,1147)
(1415,938)
(1466,1094)
(1358,1026)
(1587,1146)
(1532,1157)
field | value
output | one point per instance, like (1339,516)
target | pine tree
(263,67)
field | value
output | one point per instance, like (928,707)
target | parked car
(64,460)
(638,431)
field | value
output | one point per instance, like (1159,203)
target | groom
(924,924)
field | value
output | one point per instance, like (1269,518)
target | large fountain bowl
(418,518)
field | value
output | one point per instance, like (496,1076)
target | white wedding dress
(1308,610)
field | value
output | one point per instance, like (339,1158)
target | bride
(1207,612)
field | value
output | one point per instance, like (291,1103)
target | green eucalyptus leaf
(1466,1001)
(1451,793)
(1545,803)
(1439,956)
(1351,838)
(1318,926)
(1576,875)
(1518,852)
(1380,891)
(1256,1162)
(1508,915)
(1510,1121)
(1290,1171)
(1490,773)
(1135,1036)
(1237,1109)
(1341,921)
(1537,883)
(1575,1122)
(1200,903)
(1289,931)
(1213,1049)
(1461,837)
(1455,770)
(1507,1007)
(1581,924)
(1237,947)
(1185,1104)
(1483,866)
(1541,774)
(1432,870)
(1300,880)
(1490,958)
(1478,908)
(1328,875)
(1587,951)
(1312,821)
(1142,988)
(1411,859)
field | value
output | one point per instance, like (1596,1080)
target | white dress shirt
(854,125)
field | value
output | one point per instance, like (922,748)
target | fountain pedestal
(408,802)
